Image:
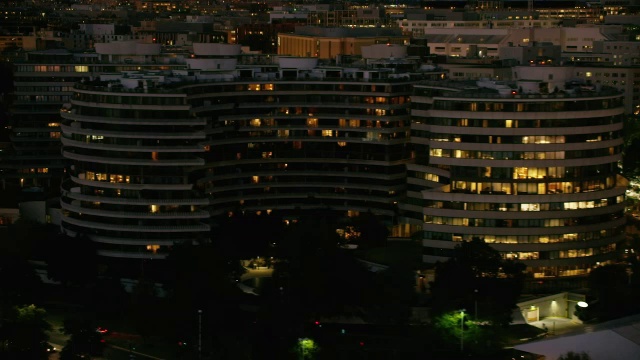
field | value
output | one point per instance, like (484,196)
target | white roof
(614,340)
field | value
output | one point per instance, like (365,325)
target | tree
(257,232)
(24,333)
(73,261)
(84,339)
(613,295)
(19,283)
(392,294)
(307,348)
(202,280)
(477,277)
(373,233)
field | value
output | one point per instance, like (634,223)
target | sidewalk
(558,325)
(253,274)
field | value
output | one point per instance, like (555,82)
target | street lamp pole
(475,304)
(199,334)
(462,331)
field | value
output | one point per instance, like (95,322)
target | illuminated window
(435,152)
(153,248)
(53,124)
(154,208)
(312,122)
(327,132)
(81,68)
(268,87)
(530,207)
(255,122)
(253,87)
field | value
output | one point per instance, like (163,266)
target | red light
(361,343)
(317,322)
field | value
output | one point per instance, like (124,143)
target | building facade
(531,170)
(157,157)
(44,83)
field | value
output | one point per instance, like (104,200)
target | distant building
(327,43)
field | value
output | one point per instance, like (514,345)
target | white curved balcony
(341,175)
(128,201)
(577,130)
(66,129)
(136,228)
(192,121)
(587,260)
(526,115)
(134,241)
(135,215)
(515,215)
(129,186)
(459,229)
(135,162)
(525,147)
(304,117)
(303,196)
(568,245)
(132,148)
(526,162)
(439,195)
(279,160)
(310,185)
(104,105)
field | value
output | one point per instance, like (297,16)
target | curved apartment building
(129,188)
(531,170)
(303,137)
(157,157)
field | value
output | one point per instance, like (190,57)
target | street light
(475,304)
(462,330)
(199,334)
(583,304)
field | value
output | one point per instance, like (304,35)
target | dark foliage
(612,294)
(84,340)
(73,261)
(23,333)
(477,277)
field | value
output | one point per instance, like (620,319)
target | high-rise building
(532,170)
(155,156)
(43,83)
